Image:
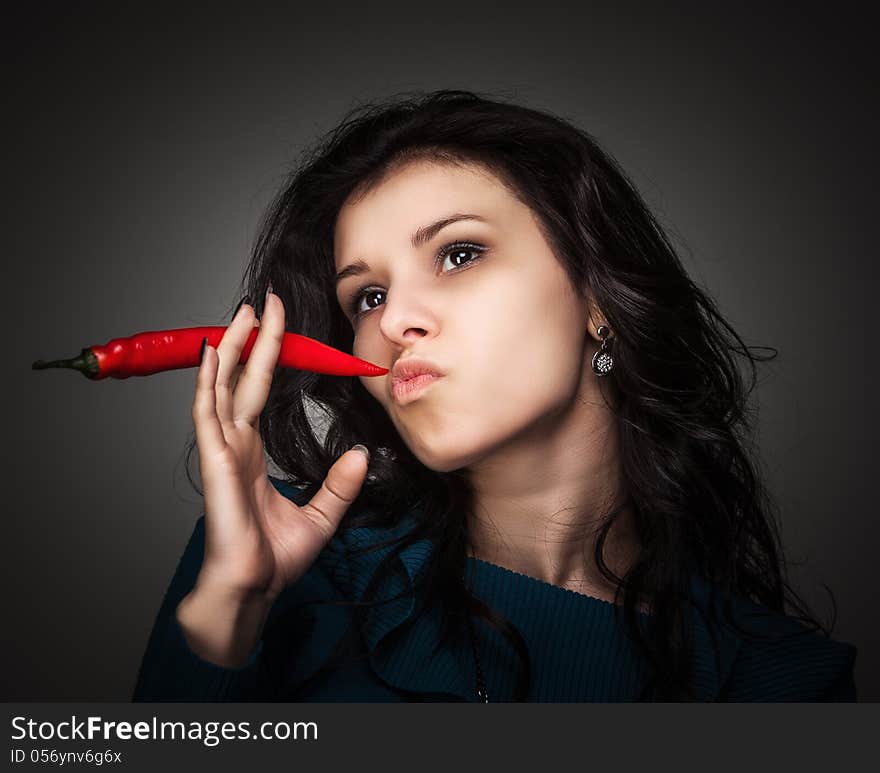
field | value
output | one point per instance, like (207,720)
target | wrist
(216,592)
(222,626)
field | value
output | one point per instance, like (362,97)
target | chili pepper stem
(85,362)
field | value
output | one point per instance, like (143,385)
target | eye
(456,251)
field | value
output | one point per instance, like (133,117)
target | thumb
(340,488)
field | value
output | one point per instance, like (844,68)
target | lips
(410,375)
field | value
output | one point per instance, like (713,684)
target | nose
(407,316)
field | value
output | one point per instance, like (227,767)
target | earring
(603,362)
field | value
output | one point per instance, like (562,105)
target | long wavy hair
(689,465)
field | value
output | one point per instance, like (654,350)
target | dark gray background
(144,145)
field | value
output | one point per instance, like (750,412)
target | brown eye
(360,295)
(458,253)
(456,250)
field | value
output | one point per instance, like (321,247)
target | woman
(556,502)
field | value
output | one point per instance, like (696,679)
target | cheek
(361,348)
(522,364)
(512,361)
(490,400)
(506,398)
(466,424)
(527,348)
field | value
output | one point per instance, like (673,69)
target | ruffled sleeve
(400,635)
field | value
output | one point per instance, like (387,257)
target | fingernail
(202,350)
(241,303)
(268,290)
(363,449)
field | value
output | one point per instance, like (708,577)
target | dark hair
(688,463)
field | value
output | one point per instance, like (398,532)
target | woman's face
(484,301)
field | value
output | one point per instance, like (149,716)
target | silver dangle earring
(603,362)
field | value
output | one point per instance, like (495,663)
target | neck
(540,503)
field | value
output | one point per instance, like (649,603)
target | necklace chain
(482,693)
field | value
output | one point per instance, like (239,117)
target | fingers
(226,506)
(209,434)
(254,384)
(229,351)
(339,489)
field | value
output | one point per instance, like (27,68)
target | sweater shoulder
(779,658)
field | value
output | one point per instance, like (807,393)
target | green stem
(86,363)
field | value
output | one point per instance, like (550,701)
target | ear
(595,320)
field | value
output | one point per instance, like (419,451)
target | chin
(441,459)
(442,465)
(433,460)
(444,445)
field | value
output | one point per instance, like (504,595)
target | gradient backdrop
(144,145)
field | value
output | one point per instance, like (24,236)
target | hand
(256,540)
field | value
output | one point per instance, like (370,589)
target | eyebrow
(422,236)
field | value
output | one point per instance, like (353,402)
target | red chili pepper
(153,352)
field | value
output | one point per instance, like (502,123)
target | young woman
(555,501)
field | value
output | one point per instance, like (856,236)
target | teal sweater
(578,649)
